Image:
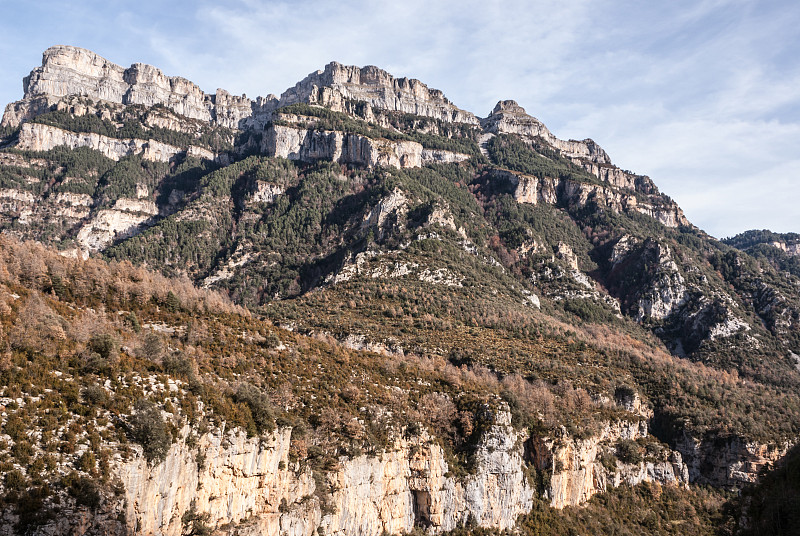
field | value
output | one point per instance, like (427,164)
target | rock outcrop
(508,117)
(666,291)
(109,225)
(530,189)
(727,462)
(40,137)
(309,145)
(337,83)
(577,469)
(253,485)
(68,71)
(792,248)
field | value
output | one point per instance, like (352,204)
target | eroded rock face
(529,189)
(666,291)
(238,479)
(68,70)
(792,248)
(309,145)
(110,225)
(336,83)
(576,470)
(727,462)
(508,117)
(40,137)
(252,483)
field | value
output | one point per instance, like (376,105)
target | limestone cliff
(309,145)
(40,137)
(792,248)
(68,70)
(529,189)
(579,468)
(508,117)
(253,484)
(728,461)
(336,83)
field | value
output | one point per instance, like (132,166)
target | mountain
(411,317)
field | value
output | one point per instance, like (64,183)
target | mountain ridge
(461,319)
(101,79)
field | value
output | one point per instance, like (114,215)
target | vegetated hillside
(417,278)
(780,250)
(109,369)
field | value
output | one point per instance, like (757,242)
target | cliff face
(40,137)
(728,462)
(529,189)
(68,70)
(578,468)
(336,83)
(254,485)
(508,117)
(309,145)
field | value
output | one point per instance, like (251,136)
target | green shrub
(628,451)
(15,480)
(259,404)
(105,345)
(85,490)
(147,428)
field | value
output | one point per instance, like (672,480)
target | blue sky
(700,95)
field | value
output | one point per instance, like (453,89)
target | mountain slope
(369,214)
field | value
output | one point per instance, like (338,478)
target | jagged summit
(382,121)
(508,106)
(508,117)
(337,82)
(68,72)
(73,71)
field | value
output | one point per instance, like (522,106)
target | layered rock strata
(530,189)
(508,117)
(254,486)
(728,462)
(41,137)
(576,470)
(337,83)
(309,145)
(68,70)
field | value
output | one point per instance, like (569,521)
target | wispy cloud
(699,95)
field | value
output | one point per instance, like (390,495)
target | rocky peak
(68,71)
(508,106)
(337,83)
(508,117)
